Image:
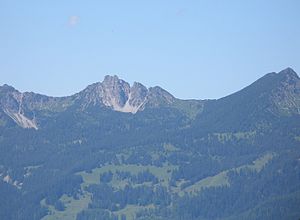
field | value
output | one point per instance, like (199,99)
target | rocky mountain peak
(288,76)
(108,79)
(12,104)
(138,95)
(115,92)
(7,88)
(286,95)
(113,83)
(289,72)
(119,95)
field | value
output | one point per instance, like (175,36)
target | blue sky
(193,49)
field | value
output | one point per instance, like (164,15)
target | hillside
(121,151)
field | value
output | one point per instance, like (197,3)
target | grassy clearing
(73,207)
(221,179)
(130,211)
(261,162)
(218,180)
(224,137)
(258,164)
(170,147)
(162,173)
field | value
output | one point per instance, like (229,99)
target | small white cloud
(73,20)
(180,12)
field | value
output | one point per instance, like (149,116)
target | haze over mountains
(121,151)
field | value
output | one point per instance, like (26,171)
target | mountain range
(121,151)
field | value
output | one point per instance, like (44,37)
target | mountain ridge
(118,95)
(287,71)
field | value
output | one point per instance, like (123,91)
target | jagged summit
(117,94)
(7,88)
(289,72)
(11,103)
(112,92)
(109,79)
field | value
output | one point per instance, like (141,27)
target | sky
(199,49)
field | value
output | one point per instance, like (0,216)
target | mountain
(121,151)
(113,93)
(270,97)
(120,96)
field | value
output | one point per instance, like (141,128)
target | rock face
(137,96)
(11,102)
(113,93)
(22,107)
(286,96)
(120,96)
